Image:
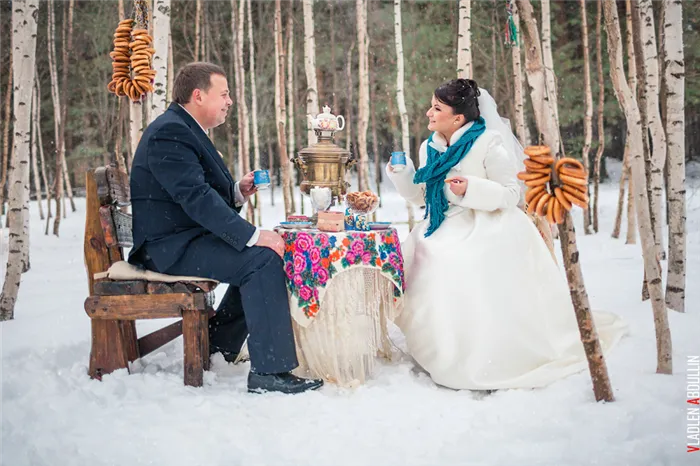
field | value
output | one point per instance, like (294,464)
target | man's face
(213,104)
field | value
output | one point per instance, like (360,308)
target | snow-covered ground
(53,414)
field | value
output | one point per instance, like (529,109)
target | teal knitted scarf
(435,170)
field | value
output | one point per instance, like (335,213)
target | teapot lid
(326,113)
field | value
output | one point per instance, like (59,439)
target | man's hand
(270,239)
(247,185)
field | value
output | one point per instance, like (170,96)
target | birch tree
(171,70)
(519,105)
(655,126)
(334,75)
(625,175)
(631,237)
(67,47)
(254,103)
(675,132)
(548,60)
(290,106)
(239,84)
(142,19)
(6,140)
(373,124)
(363,95)
(588,116)
(281,108)
(652,267)
(349,97)
(546,123)
(601,114)
(400,96)
(121,110)
(244,121)
(24,32)
(464,40)
(310,66)
(161,41)
(35,129)
(56,98)
(198,28)
(40,145)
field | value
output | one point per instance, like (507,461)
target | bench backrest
(108,228)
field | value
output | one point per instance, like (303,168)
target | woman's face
(441,118)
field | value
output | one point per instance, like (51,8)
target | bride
(486,307)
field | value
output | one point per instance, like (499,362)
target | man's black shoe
(283,383)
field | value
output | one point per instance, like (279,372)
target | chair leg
(130,339)
(192,329)
(108,352)
(205,341)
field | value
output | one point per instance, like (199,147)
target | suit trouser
(255,303)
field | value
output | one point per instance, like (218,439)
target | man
(186,222)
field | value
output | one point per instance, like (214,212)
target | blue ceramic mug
(261,178)
(398,161)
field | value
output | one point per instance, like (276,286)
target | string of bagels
(132,57)
(570,185)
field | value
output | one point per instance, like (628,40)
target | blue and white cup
(361,223)
(398,161)
(261,179)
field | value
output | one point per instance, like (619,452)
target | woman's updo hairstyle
(462,95)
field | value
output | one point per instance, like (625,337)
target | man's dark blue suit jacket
(180,190)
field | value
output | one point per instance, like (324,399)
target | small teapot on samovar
(326,121)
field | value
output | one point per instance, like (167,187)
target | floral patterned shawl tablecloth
(313,258)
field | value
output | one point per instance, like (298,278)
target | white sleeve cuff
(403,182)
(239,198)
(256,235)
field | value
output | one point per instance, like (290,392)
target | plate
(295,225)
(379,225)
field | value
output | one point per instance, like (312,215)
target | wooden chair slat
(158,288)
(123,223)
(119,287)
(155,306)
(180,287)
(103,193)
(119,190)
(108,227)
(108,287)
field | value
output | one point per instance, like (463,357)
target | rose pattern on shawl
(304,242)
(311,260)
(299,263)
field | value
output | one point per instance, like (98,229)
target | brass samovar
(323,164)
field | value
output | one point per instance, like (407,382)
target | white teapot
(326,121)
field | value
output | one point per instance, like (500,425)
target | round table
(342,289)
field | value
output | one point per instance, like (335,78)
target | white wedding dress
(485,306)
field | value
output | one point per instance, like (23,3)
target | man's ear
(196,95)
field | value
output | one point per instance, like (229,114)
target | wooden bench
(114,305)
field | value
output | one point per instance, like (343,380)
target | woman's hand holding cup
(398,161)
